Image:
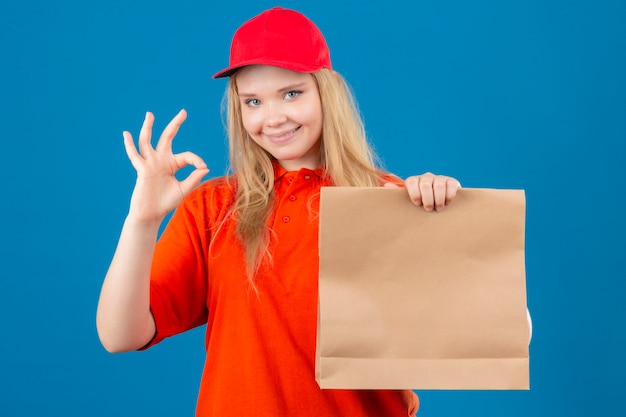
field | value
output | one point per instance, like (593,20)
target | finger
(452,187)
(412,187)
(189,158)
(193,179)
(426,190)
(131,150)
(439,192)
(145,135)
(170,131)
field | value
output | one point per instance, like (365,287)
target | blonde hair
(347,158)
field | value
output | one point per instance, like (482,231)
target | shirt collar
(280,172)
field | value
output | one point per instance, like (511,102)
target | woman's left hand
(433,192)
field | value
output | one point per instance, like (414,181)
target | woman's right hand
(158,191)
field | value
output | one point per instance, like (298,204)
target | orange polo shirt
(260,347)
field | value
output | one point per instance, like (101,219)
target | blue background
(509,94)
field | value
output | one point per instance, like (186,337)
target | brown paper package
(410,299)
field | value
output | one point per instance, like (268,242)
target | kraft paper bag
(410,299)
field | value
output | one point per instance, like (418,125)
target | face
(282,112)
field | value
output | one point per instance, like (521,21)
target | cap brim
(227,72)
(308,68)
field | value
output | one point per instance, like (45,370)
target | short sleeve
(178,279)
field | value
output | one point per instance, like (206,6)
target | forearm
(123,318)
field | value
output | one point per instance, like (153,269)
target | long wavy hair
(347,159)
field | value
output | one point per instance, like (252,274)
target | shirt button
(290,180)
(293,197)
(307,177)
(286,219)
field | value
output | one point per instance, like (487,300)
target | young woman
(240,252)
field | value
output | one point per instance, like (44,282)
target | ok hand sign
(157,191)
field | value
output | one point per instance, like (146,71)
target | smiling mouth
(282,137)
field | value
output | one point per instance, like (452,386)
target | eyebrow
(280,90)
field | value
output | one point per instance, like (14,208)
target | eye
(292,94)
(253,102)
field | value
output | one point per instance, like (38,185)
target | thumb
(391,185)
(188,184)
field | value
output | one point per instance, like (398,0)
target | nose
(275,114)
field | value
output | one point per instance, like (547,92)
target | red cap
(279,37)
